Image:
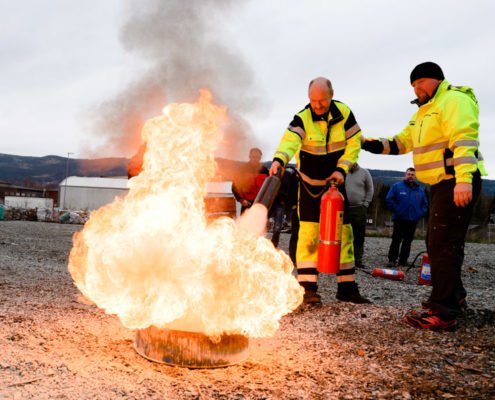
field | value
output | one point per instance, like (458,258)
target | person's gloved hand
(372,145)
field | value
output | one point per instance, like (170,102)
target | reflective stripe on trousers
(307,255)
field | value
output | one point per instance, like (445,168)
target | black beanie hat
(427,70)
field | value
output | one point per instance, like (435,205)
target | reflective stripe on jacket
(443,136)
(321,144)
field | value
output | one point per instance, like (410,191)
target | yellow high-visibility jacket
(443,136)
(321,144)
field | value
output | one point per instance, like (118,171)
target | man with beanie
(326,140)
(443,136)
(359,189)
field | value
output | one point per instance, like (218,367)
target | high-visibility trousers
(307,245)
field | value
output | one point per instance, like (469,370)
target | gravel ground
(56,346)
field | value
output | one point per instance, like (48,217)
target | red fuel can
(388,274)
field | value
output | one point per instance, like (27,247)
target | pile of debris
(46,215)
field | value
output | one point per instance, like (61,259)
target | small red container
(388,274)
(424,277)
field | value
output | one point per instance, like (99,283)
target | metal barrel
(190,349)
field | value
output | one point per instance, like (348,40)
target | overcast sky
(81,76)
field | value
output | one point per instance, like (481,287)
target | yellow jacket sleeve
(404,139)
(288,147)
(461,126)
(351,153)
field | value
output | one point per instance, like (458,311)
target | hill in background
(49,171)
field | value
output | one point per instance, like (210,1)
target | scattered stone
(58,345)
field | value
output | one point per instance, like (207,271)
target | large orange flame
(152,259)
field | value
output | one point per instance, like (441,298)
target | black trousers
(357,216)
(294,224)
(278,213)
(402,237)
(447,228)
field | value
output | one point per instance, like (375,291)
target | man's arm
(399,144)
(352,149)
(290,143)
(235,192)
(390,199)
(462,125)
(368,184)
(424,203)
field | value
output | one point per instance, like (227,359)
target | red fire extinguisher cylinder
(388,274)
(424,277)
(330,238)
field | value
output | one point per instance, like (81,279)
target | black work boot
(348,291)
(311,297)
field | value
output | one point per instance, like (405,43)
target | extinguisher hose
(414,261)
(305,186)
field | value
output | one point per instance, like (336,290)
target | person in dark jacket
(408,203)
(284,204)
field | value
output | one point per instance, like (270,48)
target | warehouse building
(90,193)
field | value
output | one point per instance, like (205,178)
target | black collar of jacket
(332,116)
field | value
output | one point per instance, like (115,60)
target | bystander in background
(408,203)
(359,188)
(249,179)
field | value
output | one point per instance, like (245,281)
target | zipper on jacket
(420,131)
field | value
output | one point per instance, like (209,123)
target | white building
(86,193)
(28,202)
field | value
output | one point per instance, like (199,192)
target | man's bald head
(320,94)
(322,83)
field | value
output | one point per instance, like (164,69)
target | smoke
(186,48)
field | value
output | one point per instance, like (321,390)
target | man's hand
(337,177)
(463,194)
(274,168)
(245,203)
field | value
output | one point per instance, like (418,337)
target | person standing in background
(248,179)
(283,204)
(407,201)
(359,188)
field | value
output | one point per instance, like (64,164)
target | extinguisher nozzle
(269,191)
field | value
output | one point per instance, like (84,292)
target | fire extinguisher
(388,274)
(424,277)
(330,238)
